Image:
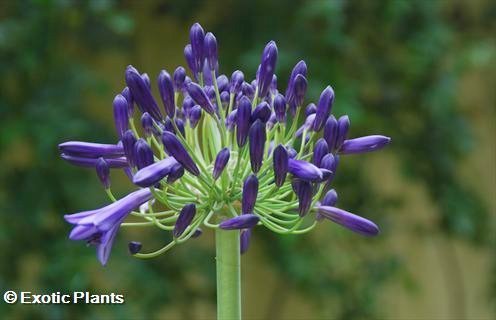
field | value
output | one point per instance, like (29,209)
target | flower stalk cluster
(219,152)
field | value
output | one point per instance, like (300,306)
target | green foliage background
(397,67)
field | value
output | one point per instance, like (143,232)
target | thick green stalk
(228,274)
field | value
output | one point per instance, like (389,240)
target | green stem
(228,274)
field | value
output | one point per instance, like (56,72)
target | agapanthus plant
(222,153)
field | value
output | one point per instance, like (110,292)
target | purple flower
(190,60)
(331,132)
(147,124)
(250,192)
(91,150)
(323,108)
(99,227)
(299,68)
(319,151)
(153,173)
(349,220)
(330,198)
(243,121)
(128,141)
(267,68)
(304,192)
(244,240)
(134,247)
(304,170)
(299,90)
(280,108)
(120,162)
(184,220)
(281,160)
(364,144)
(166,89)
(243,221)
(197,39)
(223,83)
(248,90)
(141,93)
(188,103)
(121,115)
(262,112)
(176,172)
(211,51)
(179,78)
(343,126)
(126,93)
(200,97)
(195,115)
(103,172)
(231,120)
(310,109)
(220,162)
(143,154)
(237,80)
(257,137)
(330,162)
(177,150)
(224,98)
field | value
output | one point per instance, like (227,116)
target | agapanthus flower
(227,153)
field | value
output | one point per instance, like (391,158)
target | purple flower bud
(176,172)
(329,162)
(349,220)
(364,144)
(273,85)
(200,97)
(247,90)
(103,172)
(179,78)
(220,162)
(292,152)
(323,108)
(304,170)
(267,68)
(331,132)
(209,91)
(299,68)
(250,192)
(126,93)
(198,232)
(281,160)
(243,221)
(149,176)
(319,151)
(207,75)
(141,93)
(134,247)
(91,150)
(272,121)
(82,161)
(211,51)
(188,103)
(237,80)
(197,40)
(184,220)
(128,141)
(262,112)
(343,126)
(243,121)
(194,116)
(177,150)
(143,154)
(311,108)
(179,123)
(190,60)
(223,83)
(304,192)
(280,108)
(257,137)
(147,124)
(166,89)
(121,115)
(244,240)
(330,198)
(299,90)
(146,78)
(224,98)
(231,120)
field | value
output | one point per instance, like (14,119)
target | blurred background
(422,72)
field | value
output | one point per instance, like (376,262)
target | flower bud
(304,170)
(224,98)
(231,120)
(257,137)
(222,83)
(197,40)
(280,159)
(128,141)
(311,108)
(323,108)
(200,97)
(147,124)
(237,80)
(176,172)
(262,112)
(299,90)
(244,240)
(330,198)
(177,150)
(220,162)
(142,93)
(211,51)
(190,60)
(250,192)
(126,93)
(331,132)
(121,115)
(188,103)
(304,192)
(267,68)
(299,68)
(280,108)
(103,172)
(319,151)
(152,174)
(273,85)
(243,121)
(194,116)
(364,144)
(179,78)
(243,221)
(184,220)
(198,232)
(166,89)
(146,78)
(343,126)
(134,247)
(248,90)
(143,153)
(349,220)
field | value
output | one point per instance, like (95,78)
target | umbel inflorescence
(222,153)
